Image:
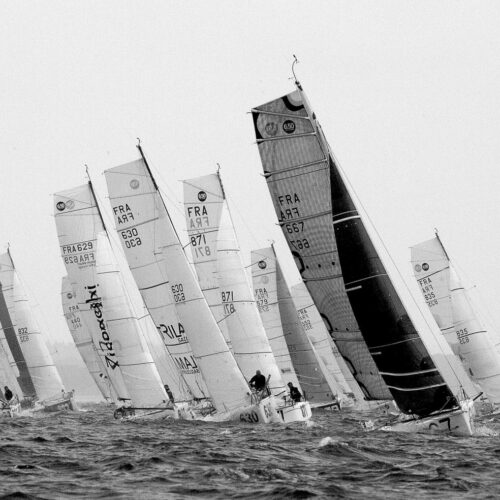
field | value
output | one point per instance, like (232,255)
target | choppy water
(90,455)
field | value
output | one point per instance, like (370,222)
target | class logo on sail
(271,128)
(262,264)
(202,196)
(289,126)
(134,183)
(60,205)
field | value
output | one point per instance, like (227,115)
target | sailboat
(208,217)
(451,307)
(83,340)
(132,187)
(104,305)
(345,275)
(41,385)
(292,348)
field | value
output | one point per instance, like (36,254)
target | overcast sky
(407,94)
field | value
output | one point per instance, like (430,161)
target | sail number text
(131,237)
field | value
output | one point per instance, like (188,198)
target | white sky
(407,94)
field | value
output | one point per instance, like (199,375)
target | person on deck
(258,381)
(295,394)
(8,394)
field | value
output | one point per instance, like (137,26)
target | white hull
(57,403)
(295,412)
(458,422)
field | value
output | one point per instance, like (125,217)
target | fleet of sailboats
(181,335)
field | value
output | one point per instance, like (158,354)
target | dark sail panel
(298,176)
(400,355)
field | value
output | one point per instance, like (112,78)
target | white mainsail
(453,311)
(318,386)
(265,287)
(209,351)
(144,228)
(83,340)
(203,222)
(315,329)
(249,341)
(78,223)
(43,372)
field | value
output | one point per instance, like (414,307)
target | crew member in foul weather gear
(294,393)
(258,381)
(8,393)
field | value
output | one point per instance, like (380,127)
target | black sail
(340,264)
(298,176)
(400,355)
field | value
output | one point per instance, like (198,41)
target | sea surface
(88,454)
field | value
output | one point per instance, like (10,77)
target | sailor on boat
(258,381)
(295,394)
(8,394)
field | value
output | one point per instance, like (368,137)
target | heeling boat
(83,340)
(315,329)
(297,173)
(308,191)
(40,381)
(281,322)
(133,186)
(249,342)
(453,312)
(103,303)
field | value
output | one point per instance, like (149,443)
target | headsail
(323,344)
(83,340)
(451,308)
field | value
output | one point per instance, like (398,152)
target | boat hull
(296,412)
(458,423)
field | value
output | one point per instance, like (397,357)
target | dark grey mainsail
(24,379)
(339,263)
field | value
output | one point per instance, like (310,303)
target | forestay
(297,173)
(451,308)
(144,228)
(83,340)
(34,354)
